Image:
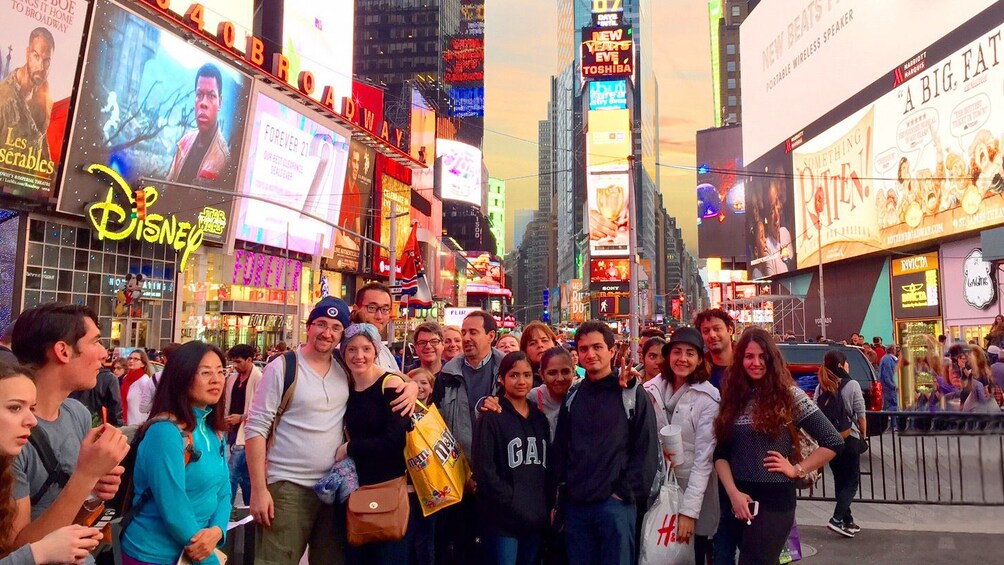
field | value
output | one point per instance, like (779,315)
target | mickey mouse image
(129,296)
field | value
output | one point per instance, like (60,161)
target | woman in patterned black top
(759,398)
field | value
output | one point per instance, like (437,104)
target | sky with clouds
(520,58)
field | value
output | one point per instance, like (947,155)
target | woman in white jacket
(687,399)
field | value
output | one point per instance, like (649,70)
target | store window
(67,263)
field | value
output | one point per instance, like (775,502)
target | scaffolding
(778,314)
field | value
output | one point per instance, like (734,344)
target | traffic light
(141,204)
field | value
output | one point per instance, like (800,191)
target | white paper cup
(671,438)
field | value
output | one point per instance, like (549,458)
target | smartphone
(754,507)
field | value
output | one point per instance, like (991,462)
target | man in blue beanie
(291,438)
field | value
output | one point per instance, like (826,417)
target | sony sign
(980,289)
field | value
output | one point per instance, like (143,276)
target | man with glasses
(373,305)
(287,457)
(429,344)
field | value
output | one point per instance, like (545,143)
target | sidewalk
(823,547)
(909,517)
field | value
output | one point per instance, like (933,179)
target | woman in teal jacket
(181,484)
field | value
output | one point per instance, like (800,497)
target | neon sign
(266,271)
(158,229)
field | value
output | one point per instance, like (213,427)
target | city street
(894,547)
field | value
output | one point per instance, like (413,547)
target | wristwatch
(799,470)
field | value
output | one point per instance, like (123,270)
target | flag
(414,287)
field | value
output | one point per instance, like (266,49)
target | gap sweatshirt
(511,470)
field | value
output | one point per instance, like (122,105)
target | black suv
(804,360)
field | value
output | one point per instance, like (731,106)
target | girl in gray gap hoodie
(510,467)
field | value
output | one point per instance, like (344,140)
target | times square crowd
(174,451)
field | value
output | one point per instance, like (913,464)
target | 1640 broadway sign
(113,220)
(607,52)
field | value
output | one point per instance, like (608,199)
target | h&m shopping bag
(437,468)
(793,549)
(659,544)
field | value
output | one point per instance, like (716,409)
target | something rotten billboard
(37,73)
(152,105)
(914,161)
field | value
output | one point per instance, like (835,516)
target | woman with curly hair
(71,544)
(760,406)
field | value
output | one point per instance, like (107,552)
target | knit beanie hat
(330,307)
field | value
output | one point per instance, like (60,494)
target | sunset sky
(521,44)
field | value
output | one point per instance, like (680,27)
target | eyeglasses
(374,308)
(428,342)
(322,327)
(208,375)
(140,359)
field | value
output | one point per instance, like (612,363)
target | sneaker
(839,527)
(852,527)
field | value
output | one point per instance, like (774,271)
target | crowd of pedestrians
(566,439)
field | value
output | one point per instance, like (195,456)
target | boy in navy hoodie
(510,467)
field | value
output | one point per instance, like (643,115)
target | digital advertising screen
(468,101)
(721,193)
(607,52)
(915,287)
(392,186)
(318,37)
(297,161)
(38,69)
(356,206)
(484,273)
(609,211)
(920,163)
(422,135)
(770,217)
(846,46)
(608,95)
(153,105)
(609,270)
(609,139)
(460,177)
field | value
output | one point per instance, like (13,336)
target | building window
(732,118)
(732,100)
(731,84)
(730,49)
(731,66)
(735,11)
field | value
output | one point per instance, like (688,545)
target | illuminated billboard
(721,193)
(464,60)
(609,203)
(318,37)
(608,95)
(151,104)
(460,176)
(915,287)
(356,206)
(607,52)
(609,139)
(392,183)
(43,47)
(839,47)
(921,162)
(484,273)
(468,102)
(770,217)
(609,270)
(297,161)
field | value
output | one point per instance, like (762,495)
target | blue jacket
(889,380)
(185,500)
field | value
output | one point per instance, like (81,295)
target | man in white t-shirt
(300,449)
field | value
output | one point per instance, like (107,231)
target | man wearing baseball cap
(301,445)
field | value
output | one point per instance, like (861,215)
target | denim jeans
(601,533)
(505,550)
(421,536)
(239,475)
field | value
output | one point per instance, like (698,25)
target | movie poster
(396,191)
(152,105)
(39,49)
(357,193)
(609,211)
(294,160)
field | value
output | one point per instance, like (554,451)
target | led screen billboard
(464,60)
(840,47)
(468,102)
(609,270)
(151,104)
(297,161)
(921,162)
(318,37)
(770,217)
(36,80)
(355,210)
(607,52)
(608,95)
(721,193)
(609,140)
(392,182)
(484,273)
(609,210)
(460,171)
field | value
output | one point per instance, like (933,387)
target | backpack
(629,400)
(833,407)
(55,475)
(288,388)
(122,502)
